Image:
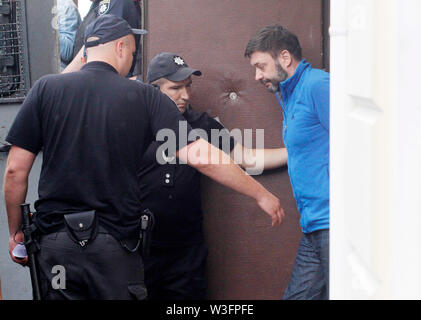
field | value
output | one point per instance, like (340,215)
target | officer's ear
(119,46)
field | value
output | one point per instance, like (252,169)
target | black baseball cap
(108,27)
(170,66)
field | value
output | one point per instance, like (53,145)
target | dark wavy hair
(273,39)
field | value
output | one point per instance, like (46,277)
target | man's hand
(13,242)
(271,205)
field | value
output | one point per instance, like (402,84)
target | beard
(281,75)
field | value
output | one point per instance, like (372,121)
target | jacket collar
(287,87)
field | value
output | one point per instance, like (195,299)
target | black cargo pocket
(137,291)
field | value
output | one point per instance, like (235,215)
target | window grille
(14,71)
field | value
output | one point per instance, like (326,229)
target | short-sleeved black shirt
(129,10)
(172,191)
(93,127)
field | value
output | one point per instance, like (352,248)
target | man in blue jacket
(303,93)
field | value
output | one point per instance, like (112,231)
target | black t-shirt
(172,191)
(93,127)
(129,10)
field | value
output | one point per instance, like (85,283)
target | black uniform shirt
(93,127)
(172,191)
(126,9)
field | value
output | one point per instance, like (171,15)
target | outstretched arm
(76,64)
(259,159)
(217,165)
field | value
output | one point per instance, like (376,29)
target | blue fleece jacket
(304,99)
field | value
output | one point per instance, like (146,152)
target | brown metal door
(247,258)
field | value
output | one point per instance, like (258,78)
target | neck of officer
(104,54)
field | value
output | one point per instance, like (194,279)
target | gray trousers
(102,270)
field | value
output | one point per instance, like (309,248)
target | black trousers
(176,273)
(102,270)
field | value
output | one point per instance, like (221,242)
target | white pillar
(375,149)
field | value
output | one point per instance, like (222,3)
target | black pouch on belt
(82,227)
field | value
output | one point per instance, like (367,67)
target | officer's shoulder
(148,91)
(144,86)
(113,4)
(192,114)
(120,2)
(51,79)
(62,77)
(202,119)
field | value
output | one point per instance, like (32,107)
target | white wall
(83,6)
(375,149)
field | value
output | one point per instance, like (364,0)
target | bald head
(118,53)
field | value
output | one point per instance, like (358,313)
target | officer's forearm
(19,164)
(15,189)
(76,63)
(217,165)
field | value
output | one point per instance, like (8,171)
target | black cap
(170,66)
(108,27)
